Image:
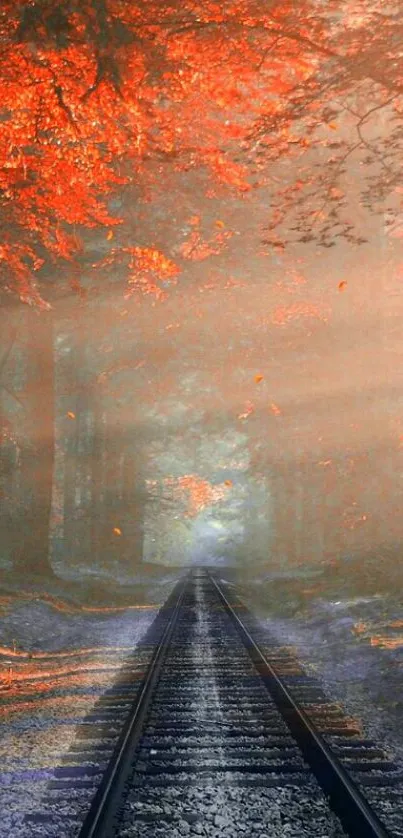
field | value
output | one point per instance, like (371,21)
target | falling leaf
(258,378)
(117,531)
(249,408)
(110,235)
(332,125)
(396,232)
(194,220)
(70,414)
(219,223)
(342,285)
(228,483)
(336,193)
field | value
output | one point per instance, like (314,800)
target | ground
(58,654)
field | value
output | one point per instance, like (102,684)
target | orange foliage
(197,249)
(249,408)
(146,266)
(92,90)
(86,86)
(66,607)
(386,642)
(296,311)
(197,492)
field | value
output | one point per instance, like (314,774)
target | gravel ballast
(56,663)
(63,662)
(365,677)
(208,707)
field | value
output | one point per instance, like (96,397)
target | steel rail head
(347,801)
(99,821)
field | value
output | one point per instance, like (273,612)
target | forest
(200,286)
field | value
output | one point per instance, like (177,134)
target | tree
(26,442)
(92,92)
(37,450)
(98,96)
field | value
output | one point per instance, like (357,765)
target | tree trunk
(9,443)
(134,504)
(31,550)
(98,458)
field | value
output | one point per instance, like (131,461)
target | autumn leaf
(117,531)
(396,232)
(101,87)
(341,286)
(196,249)
(249,408)
(285,314)
(197,492)
(228,483)
(70,414)
(258,378)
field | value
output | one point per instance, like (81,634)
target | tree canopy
(102,93)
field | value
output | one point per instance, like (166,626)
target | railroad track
(227,736)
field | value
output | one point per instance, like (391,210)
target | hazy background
(247,411)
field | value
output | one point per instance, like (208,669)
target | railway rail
(218,735)
(225,736)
